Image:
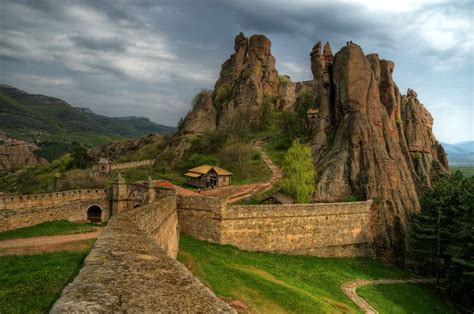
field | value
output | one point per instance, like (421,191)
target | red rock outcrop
(368,140)
(248,80)
(17,153)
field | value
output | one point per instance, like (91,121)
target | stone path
(46,243)
(277,174)
(349,288)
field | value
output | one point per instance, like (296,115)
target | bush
(80,159)
(196,160)
(284,79)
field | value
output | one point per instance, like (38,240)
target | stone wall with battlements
(131,164)
(321,229)
(130,269)
(28,210)
(48,199)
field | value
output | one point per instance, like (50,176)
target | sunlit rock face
(368,140)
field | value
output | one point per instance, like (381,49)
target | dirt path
(349,288)
(48,243)
(277,174)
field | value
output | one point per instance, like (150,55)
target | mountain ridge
(55,125)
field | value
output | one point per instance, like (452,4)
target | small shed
(208,176)
(104,165)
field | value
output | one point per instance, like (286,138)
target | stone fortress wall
(132,269)
(28,210)
(131,164)
(25,201)
(322,229)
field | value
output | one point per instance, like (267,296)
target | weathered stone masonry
(28,210)
(131,269)
(323,229)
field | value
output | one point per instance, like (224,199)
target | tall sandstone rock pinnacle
(368,140)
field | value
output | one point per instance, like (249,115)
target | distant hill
(55,125)
(460,154)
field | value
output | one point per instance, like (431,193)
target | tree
(235,156)
(300,175)
(461,269)
(80,159)
(431,230)
(441,237)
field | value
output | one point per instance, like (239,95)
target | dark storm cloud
(149,57)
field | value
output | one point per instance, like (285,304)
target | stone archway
(94,214)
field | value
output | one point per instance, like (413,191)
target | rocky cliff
(368,140)
(16,154)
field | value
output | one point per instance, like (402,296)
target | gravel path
(349,288)
(46,243)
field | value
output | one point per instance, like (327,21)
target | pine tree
(431,231)
(300,175)
(461,269)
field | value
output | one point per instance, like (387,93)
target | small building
(104,165)
(312,114)
(208,176)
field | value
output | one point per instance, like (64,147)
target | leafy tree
(300,175)
(235,157)
(80,159)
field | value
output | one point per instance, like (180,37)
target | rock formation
(247,82)
(127,148)
(368,140)
(17,153)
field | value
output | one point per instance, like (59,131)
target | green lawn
(32,283)
(48,229)
(275,283)
(403,298)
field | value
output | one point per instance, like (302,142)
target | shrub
(80,159)
(284,79)
(197,160)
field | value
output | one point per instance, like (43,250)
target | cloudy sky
(148,58)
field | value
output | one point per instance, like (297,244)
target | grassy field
(466,171)
(48,229)
(273,283)
(32,283)
(403,298)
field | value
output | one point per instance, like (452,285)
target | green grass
(466,171)
(282,283)
(404,298)
(48,229)
(32,283)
